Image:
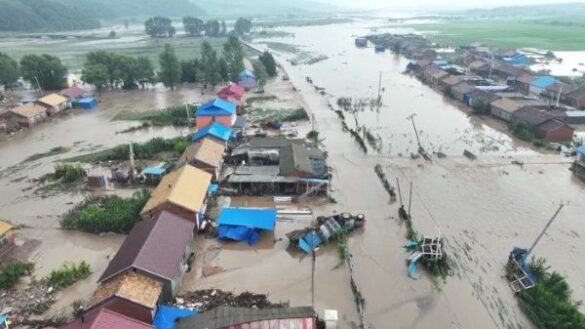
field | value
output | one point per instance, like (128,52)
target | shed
(576,99)
(159,249)
(215,130)
(206,154)
(461,91)
(215,110)
(6,238)
(101,318)
(131,294)
(182,192)
(247,79)
(71,93)
(30,114)
(98,177)
(239,127)
(242,224)
(227,317)
(54,103)
(154,174)
(87,103)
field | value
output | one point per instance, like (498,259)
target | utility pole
(313,121)
(544,230)
(491,67)
(410,199)
(188,114)
(379,86)
(132,160)
(559,97)
(411,118)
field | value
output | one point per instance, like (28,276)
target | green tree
(8,69)
(144,71)
(45,69)
(193,26)
(260,73)
(480,106)
(234,56)
(223,69)
(189,71)
(243,26)
(95,74)
(209,64)
(212,28)
(112,34)
(159,26)
(223,28)
(269,63)
(170,73)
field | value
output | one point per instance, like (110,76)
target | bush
(523,133)
(172,116)
(68,274)
(78,307)
(480,107)
(68,173)
(11,273)
(106,214)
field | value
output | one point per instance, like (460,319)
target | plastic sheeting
(238,233)
(167,316)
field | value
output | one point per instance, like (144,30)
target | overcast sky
(437,4)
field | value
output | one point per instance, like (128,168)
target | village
(247,194)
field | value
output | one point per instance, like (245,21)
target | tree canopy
(45,69)
(190,71)
(8,69)
(234,56)
(103,69)
(209,63)
(260,73)
(212,28)
(269,63)
(243,26)
(170,73)
(159,26)
(193,26)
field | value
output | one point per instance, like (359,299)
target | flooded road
(482,208)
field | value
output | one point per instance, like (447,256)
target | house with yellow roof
(54,103)
(6,238)
(182,192)
(29,115)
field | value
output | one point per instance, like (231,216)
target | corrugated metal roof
(156,246)
(225,316)
(53,100)
(185,187)
(102,318)
(543,81)
(156,170)
(206,150)
(216,130)
(216,106)
(260,218)
(247,73)
(72,92)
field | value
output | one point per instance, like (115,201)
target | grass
(506,33)
(284,115)
(172,116)
(68,274)
(54,151)
(284,47)
(251,100)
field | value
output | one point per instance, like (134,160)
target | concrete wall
(130,309)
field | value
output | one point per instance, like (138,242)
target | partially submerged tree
(170,73)
(234,56)
(193,26)
(8,70)
(209,64)
(243,26)
(260,73)
(269,63)
(159,26)
(212,28)
(46,70)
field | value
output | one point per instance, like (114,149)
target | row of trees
(43,70)
(159,26)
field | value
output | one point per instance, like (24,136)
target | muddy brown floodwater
(482,208)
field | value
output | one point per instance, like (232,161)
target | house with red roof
(231,92)
(102,318)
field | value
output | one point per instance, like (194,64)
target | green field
(505,34)
(72,51)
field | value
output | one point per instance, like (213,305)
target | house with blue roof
(216,110)
(539,84)
(216,130)
(244,224)
(247,79)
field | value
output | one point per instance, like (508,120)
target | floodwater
(482,208)
(572,64)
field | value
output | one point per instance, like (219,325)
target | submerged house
(160,249)
(244,224)
(576,99)
(539,84)
(29,115)
(206,154)
(232,92)
(101,318)
(54,103)
(462,91)
(6,238)
(216,110)
(247,79)
(182,192)
(131,294)
(544,125)
(73,93)
(503,108)
(227,317)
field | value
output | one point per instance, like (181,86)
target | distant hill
(237,8)
(43,16)
(107,9)
(548,10)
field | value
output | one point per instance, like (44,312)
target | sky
(438,4)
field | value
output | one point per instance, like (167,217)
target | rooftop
(232,90)
(72,92)
(216,130)
(206,150)
(543,81)
(4,227)
(52,100)
(185,187)
(296,157)
(28,110)
(216,106)
(260,218)
(131,286)
(247,73)
(101,318)
(156,246)
(561,87)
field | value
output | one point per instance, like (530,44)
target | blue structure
(310,241)
(212,188)
(543,81)
(243,224)
(247,79)
(518,60)
(379,49)
(440,63)
(167,316)
(155,171)
(216,107)
(216,130)
(361,42)
(87,103)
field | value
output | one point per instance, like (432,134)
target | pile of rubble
(21,306)
(208,299)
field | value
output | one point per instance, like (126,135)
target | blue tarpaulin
(581,149)
(212,188)
(238,233)
(87,103)
(259,218)
(310,241)
(3,318)
(167,315)
(157,170)
(216,130)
